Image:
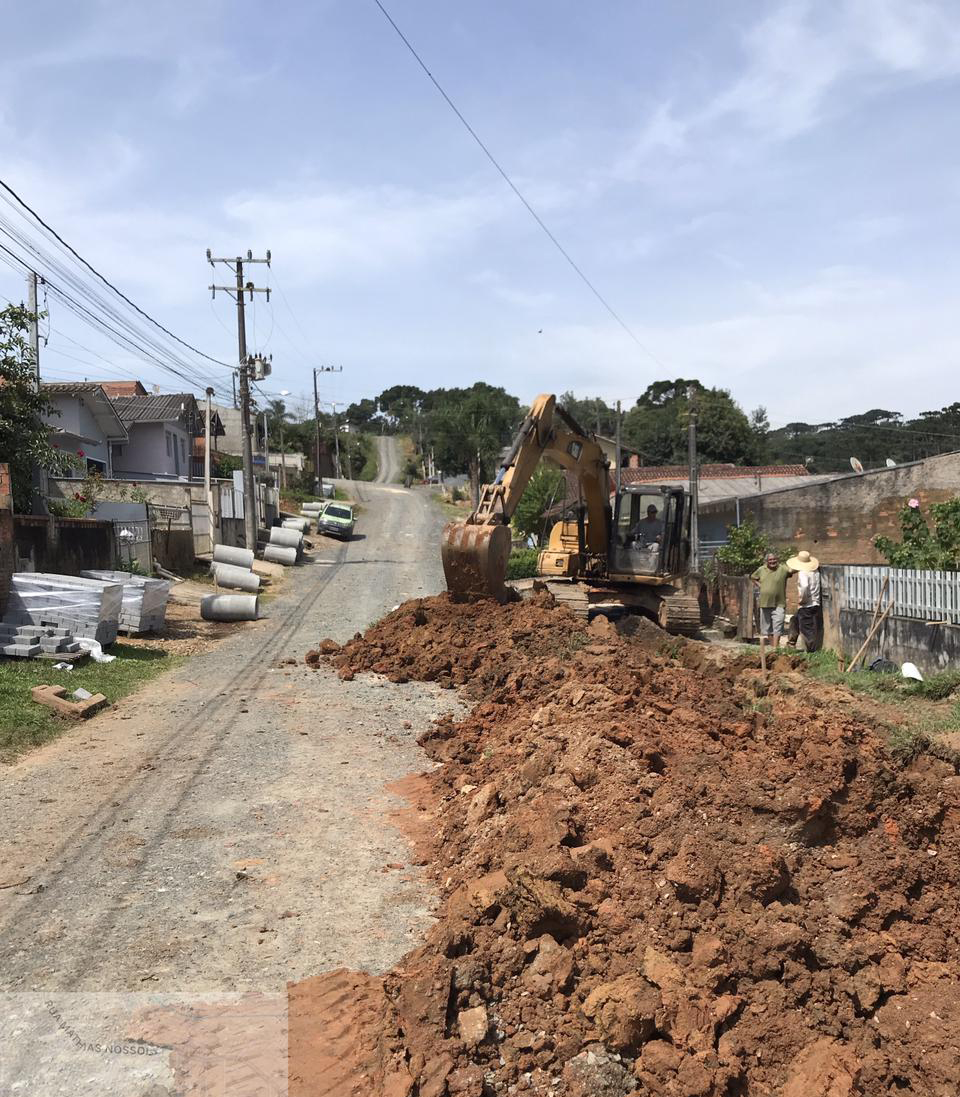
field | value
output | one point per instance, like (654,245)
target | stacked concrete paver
(89,608)
(143,607)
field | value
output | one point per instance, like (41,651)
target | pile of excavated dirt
(654,881)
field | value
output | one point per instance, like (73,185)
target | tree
(24,436)
(545,487)
(760,426)
(469,427)
(592,413)
(657,425)
(362,414)
(403,405)
(745,549)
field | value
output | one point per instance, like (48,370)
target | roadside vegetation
(522,563)
(917,713)
(24,724)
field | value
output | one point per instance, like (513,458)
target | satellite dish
(891,464)
(855,465)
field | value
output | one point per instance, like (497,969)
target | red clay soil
(653,882)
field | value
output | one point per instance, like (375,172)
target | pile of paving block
(29,641)
(88,608)
(143,607)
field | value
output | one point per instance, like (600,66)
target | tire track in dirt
(16,930)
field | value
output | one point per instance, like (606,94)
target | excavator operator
(649,530)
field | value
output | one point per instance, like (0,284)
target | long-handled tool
(876,626)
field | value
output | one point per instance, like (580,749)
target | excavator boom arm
(475,551)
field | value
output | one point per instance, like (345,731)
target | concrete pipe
(281,554)
(229,607)
(302,524)
(307,507)
(288,538)
(239,557)
(226,575)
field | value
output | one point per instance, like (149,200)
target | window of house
(169,438)
(117,451)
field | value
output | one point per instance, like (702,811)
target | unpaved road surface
(227,828)
(388,462)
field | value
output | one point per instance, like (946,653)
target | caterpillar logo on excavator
(629,548)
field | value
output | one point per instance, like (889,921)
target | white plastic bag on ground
(97,654)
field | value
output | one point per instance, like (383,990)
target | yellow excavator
(627,549)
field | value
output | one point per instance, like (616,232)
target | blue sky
(768,194)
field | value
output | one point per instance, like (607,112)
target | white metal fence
(928,595)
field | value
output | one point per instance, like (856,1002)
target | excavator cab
(650,535)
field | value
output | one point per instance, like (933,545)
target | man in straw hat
(808,621)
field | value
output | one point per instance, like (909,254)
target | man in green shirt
(772,578)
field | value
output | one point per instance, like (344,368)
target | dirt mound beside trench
(652,885)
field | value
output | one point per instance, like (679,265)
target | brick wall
(838,519)
(6,534)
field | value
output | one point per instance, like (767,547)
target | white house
(86,425)
(161,431)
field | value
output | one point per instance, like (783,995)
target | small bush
(522,563)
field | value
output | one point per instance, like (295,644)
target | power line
(120,332)
(36,216)
(516,190)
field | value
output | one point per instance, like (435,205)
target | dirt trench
(651,883)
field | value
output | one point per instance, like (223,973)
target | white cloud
(325,231)
(803,62)
(500,288)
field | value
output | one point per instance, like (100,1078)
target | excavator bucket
(475,559)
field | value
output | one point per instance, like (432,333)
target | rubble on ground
(653,883)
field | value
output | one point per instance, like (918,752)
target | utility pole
(336,441)
(34,323)
(317,475)
(258,368)
(206,469)
(283,460)
(694,475)
(619,455)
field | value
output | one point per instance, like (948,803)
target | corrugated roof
(708,472)
(155,409)
(97,401)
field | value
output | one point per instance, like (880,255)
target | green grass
(921,727)
(889,687)
(454,511)
(24,724)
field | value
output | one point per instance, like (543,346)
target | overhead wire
(93,309)
(516,190)
(63,243)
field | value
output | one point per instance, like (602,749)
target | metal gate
(132,546)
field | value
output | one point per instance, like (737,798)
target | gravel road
(227,827)
(388,464)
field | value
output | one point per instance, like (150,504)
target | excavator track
(679,614)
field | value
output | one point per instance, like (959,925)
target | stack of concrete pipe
(286,546)
(233,567)
(311,511)
(301,524)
